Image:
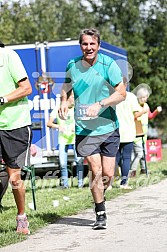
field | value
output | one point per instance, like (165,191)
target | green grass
(76,200)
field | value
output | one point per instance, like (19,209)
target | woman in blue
(96,81)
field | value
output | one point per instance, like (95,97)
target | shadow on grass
(54,218)
(47,217)
(164,172)
(6,208)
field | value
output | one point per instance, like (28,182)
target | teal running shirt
(91,84)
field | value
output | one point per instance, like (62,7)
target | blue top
(91,84)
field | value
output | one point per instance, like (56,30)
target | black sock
(99,207)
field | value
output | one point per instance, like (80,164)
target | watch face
(1,100)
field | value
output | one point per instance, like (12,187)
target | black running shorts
(15,147)
(106,145)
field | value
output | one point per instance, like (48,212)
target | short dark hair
(92,32)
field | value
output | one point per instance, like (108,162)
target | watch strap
(3,100)
(101,103)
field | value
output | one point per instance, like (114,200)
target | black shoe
(143,171)
(100,222)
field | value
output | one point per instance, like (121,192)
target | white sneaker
(126,187)
(109,188)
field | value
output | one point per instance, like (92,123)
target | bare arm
(63,110)
(140,113)
(24,89)
(51,123)
(152,115)
(118,96)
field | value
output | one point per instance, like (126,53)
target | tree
(142,31)
(155,33)
(131,24)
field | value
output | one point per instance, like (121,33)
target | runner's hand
(63,110)
(93,110)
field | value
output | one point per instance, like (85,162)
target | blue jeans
(123,159)
(63,158)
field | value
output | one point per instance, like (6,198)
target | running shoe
(126,187)
(100,222)
(22,225)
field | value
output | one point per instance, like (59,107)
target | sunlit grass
(70,201)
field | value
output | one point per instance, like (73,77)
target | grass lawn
(70,201)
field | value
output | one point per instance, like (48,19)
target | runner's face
(89,47)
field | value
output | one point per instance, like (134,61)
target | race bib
(81,112)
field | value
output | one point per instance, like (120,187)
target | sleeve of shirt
(115,74)
(16,67)
(152,115)
(135,104)
(67,76)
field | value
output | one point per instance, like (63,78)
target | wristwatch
(101,103)
(3,100)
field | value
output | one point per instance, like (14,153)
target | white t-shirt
(125,112)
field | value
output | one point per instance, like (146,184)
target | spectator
(127,111)
(15,131)
(142,92)
(66,138)
(96,81)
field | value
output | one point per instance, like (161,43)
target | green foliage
(142,31)
(131,24)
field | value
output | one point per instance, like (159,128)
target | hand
(146,110)
(33,150)
(93,110)
(73,129)
(63,110)
(159,109)
(62,129)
